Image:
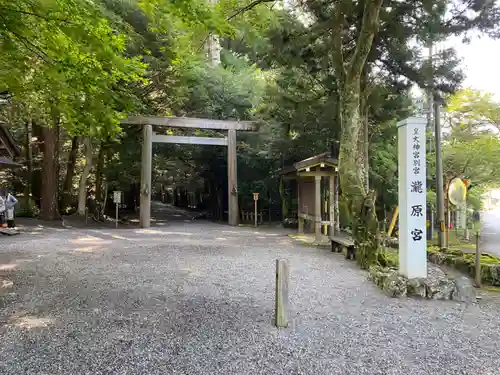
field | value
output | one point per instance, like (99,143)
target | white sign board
(412,197)
(117,197)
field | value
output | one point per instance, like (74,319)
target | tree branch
(369,27)
(30,46)
(248,7)
(7,9)
(236,13)
(338,29)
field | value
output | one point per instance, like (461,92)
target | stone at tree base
(493,272)
(416,288)
(378,274)
(395,285)
(440,258)
(434,273)
(464,290)
(487,274)
(436,286)
(440,289)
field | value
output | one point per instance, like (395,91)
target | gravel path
(198,299)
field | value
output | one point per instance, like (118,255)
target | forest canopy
(317,76)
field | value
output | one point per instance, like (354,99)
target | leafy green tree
(67,64)
(471,145)
(366,34)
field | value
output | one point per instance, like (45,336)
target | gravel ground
(197,298)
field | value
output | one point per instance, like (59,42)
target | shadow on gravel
(113,328)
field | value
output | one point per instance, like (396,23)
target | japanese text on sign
(412,197)
(117,197)
(416,151)
(417,185)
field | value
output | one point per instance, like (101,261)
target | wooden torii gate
(186,122)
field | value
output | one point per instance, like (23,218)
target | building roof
(8,146)
(8,163)
(9,150)
(322,160)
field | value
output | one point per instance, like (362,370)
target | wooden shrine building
(317,194)
(9,149)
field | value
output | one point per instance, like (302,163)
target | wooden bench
(339,242)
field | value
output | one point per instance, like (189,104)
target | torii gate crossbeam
(185,122)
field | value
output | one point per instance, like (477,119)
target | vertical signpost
(255,199)
(412,197)
(117,199)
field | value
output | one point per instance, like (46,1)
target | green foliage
(471,147)
(475,198)
(66,60)
(233,91)
(388,258)
(85,64)
(28,209)
(465,262)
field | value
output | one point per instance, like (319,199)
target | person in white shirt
(2,210)
(10,203)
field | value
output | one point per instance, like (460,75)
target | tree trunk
(48,209)
(105,200)
(58,164)
(29,163)
(70,174)
(366,148)
(82,191)
(98,173)
(361,203)
(99,177)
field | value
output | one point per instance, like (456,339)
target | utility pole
(439,174)
(430,128)
(367,150)
(430,100)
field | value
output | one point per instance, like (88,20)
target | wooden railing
(249,217)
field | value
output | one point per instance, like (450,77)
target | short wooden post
(478,262)
(281,306)
(255,212)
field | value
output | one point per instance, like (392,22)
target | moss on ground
(465,262)
(489,288)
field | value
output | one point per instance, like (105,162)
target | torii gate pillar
(146,167)
(232,179)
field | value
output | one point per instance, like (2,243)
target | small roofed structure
(9,150)
(317,194)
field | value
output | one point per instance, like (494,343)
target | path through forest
(197,298)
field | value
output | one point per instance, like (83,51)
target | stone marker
(464,290)
(281,306)
(412,197)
